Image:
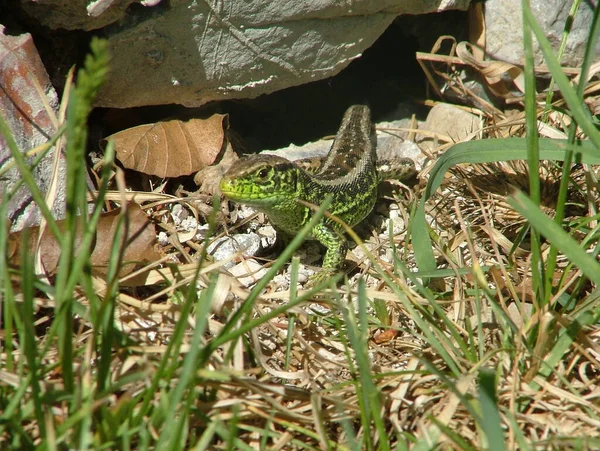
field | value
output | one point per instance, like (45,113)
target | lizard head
(260,181)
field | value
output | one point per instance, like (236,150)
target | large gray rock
(504,29)
(76,14)
(193,52)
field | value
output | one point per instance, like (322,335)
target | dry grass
(186,356)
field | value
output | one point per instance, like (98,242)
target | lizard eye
(263,173)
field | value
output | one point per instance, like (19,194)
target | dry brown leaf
(171,148)
(477,29)
(139,243)
(385,336)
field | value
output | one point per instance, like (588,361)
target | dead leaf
(139,243)
(171,148)
(385,336)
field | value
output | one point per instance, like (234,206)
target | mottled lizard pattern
(350,173)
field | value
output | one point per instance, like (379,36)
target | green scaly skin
(349,173)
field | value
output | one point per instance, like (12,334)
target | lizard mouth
(225,186)
(245,194)
(229,190)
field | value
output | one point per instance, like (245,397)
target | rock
(76,14)
(30,123)
(191,53)
(223,248)
(448,121)
(396,222)
(268,236)
(504,29)
(309,150)
(392,142)
(248,272)
(391,147)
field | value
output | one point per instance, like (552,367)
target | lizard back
(354,147)
(349,171)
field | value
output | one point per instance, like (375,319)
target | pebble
(268,236)
(202,232)
(223,248)
(163,238)
(245,211)
(396,222)
(248,272)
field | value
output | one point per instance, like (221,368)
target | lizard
(350,173)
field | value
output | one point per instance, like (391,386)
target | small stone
(450,121)
(310,252)
(248,272)
(303,273)
(268,236)
(188,224)
(359,254)
(223,248)
(388,255)
(396,222)
(310,150)
(202,232)
(392,147)
(281,282)
(163,238)
(515,314)
(245,212)
(323,310)
(178,214)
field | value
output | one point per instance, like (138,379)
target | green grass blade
(556,235)
(561,50)
(80,104)
(573,130)
(533,159)
(487,151)
(489,411)
(172,438)
(580,113)
(367,390)
(7,296)
(563,344)
(292,317)
(29,338)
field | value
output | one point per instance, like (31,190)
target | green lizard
(350,173)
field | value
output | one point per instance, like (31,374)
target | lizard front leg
(336,245)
